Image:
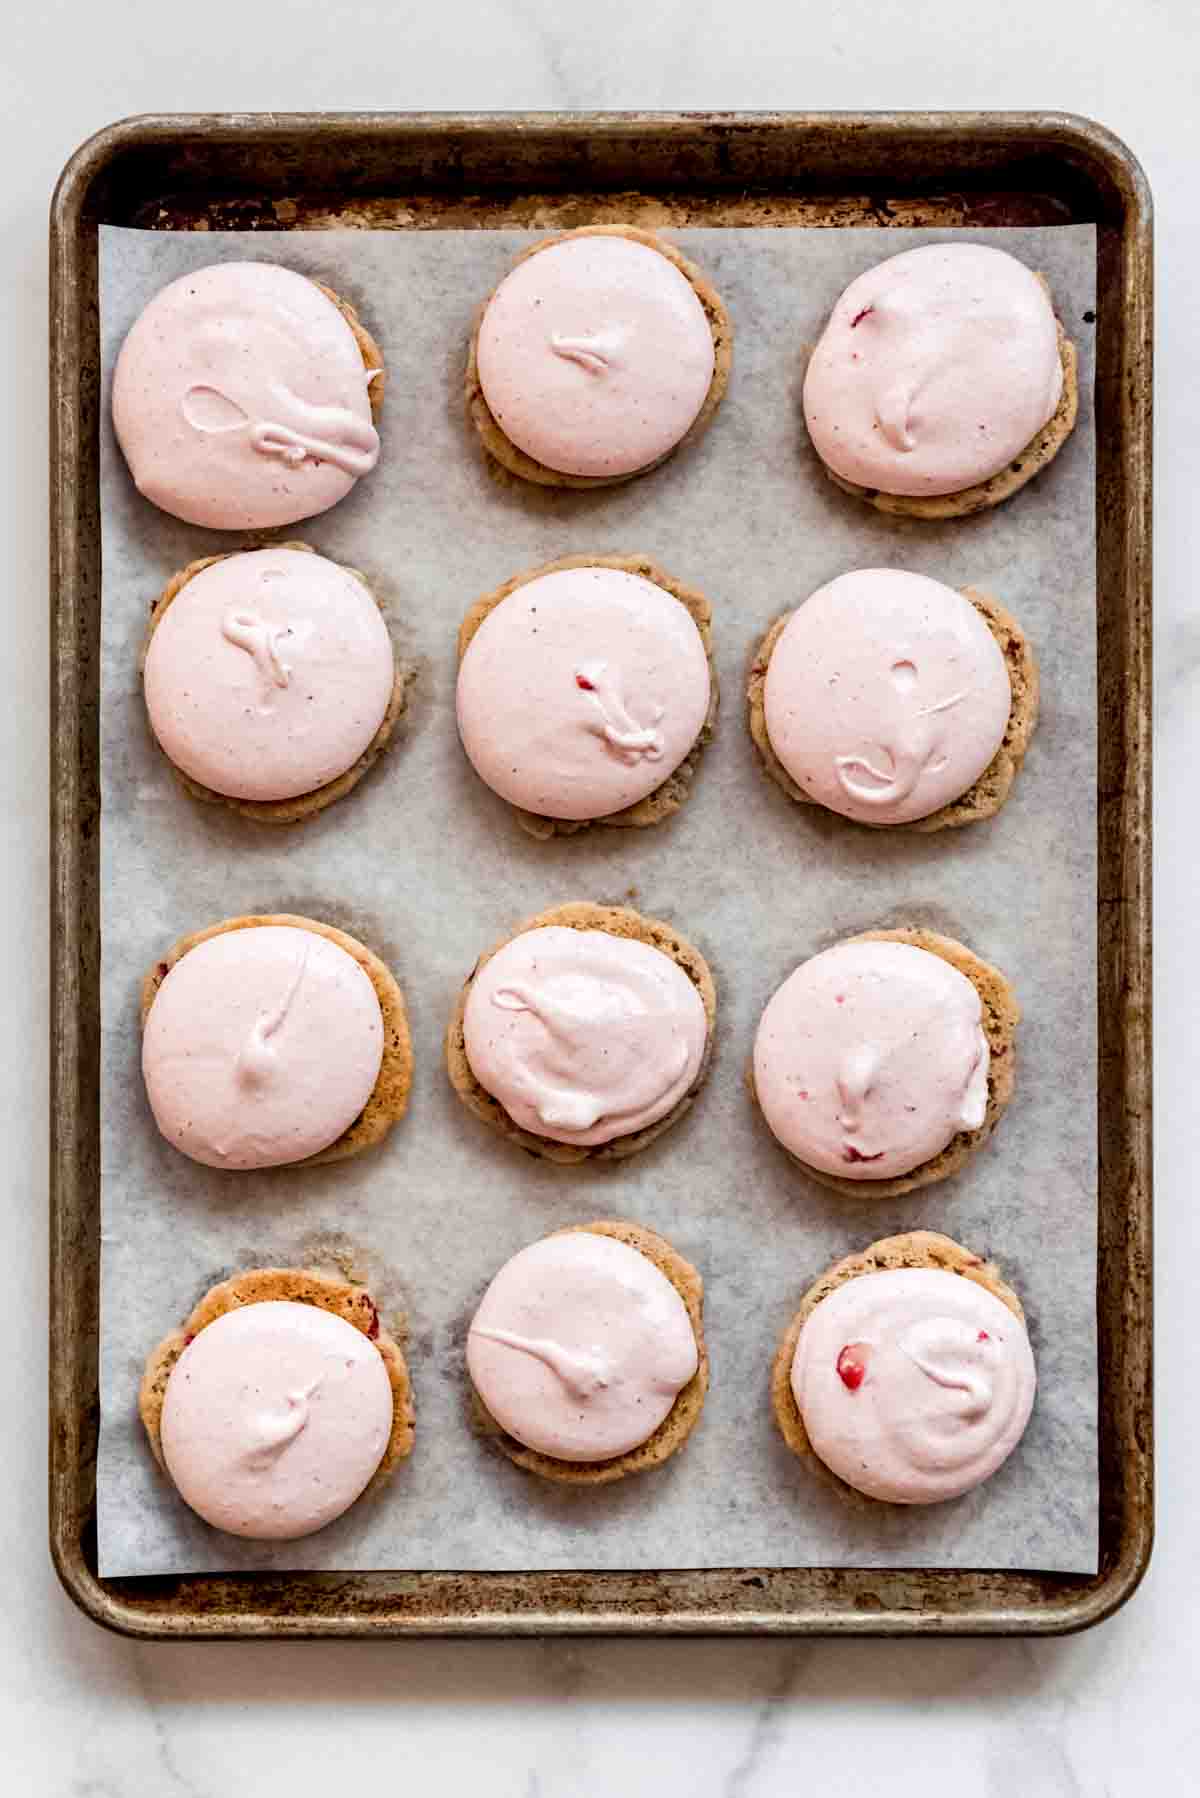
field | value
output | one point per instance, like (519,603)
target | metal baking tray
(424,172)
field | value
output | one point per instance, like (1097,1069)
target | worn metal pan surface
(424,172)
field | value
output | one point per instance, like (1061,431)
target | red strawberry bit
(983,1336)
(373,1325)
(802,1095)
(839,998)
(581,680)
(852,1365)
(859,316)
(850,1153)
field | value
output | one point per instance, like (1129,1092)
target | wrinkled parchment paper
(428,867)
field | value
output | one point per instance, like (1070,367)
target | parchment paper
(428,867)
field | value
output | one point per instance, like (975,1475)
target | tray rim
(1075,1602)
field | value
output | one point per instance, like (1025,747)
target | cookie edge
(1037,455)
(368,349)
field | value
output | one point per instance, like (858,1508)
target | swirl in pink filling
(914,1384)
(580,1347)
(274,1419)
(583,1036)
(870,1057)
(240,398)
(886,696)
(269,674)
(261,1047)
(595,356)
(582,691)
(937,367)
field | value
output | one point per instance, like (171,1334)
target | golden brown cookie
(987,795)
(1036,455)
(668,797)
(368,349)
(917,1248)
(498,446)
(684,1414)
(1001,1015)
(353,1304)
(389,1097)
(617,921)
(304,805)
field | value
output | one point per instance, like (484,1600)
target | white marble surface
(1113,1714)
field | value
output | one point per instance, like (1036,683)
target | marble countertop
(1112,1714)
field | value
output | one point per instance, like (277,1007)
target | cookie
(683,1365)
(228,695)
(245,397)
(836,1372)
(385,1101)
(651,1060)
(627,360)
(246,1478)
(942,383)
(946,1071)
(986,794)
(595,660)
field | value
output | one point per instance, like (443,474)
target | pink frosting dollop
(583,1036)
(261,1047)
(870,1057)
(582,691)
(240,399)
(275,1417)
(914,1384)
(886,696)
(937,367)
(595,356)
(580,1347)
(269,674)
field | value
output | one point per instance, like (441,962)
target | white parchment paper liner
(428,867)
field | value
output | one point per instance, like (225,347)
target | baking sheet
(427,867)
